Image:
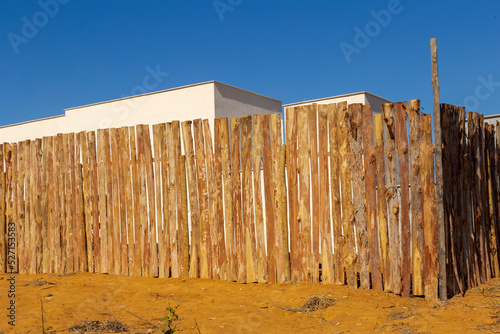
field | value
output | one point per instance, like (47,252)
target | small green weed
(169,319)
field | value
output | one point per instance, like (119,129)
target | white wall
(234,102)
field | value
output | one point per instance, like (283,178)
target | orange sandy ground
(225,307)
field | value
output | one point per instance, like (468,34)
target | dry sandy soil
(224,307)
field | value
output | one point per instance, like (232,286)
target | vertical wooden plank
(447,120)
(79,214)
(52,209)
(127,174)
(87,201)
(51,205)
(279,211)
(247,198)
(13,201)
(429,210)
(21,152)
(413,114)
(293,195)
(194,207)
(72,207)
(172,203)
(439,173)
(474,134)
(315,193)
(338,240)
(165,234)
(27,201)
(212,195)
(3,226)
(327,266)
(115,201)
(68,221)
(283,203)
(378,125)
(153,266)
(221,237)
(110,224)
(474,225)
(348,218)
(404,177)
(268,199)
(304,213)
(137,203)
(462,207)
(31,196)
(81,218)
(184,219)
(201,169)
(392,197)
(183,233)
(9,267)
(143,204)
(94,198)
(262,273)
(450,184)
(79,207)
(496,184)
(151,202)
(159,209)
(370,164)
(358,186)
(102,150)
(467,213)
(237,204)
(492,194)
(223,126)
(40,233)
(21,230)
(484,198)
(123,161)
(58,201)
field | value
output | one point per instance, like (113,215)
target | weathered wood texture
(392,198)
(359,197)
(348,217)
(429,222)
(233,202)
(413,114)
(370,164)
(325,239)
(404,181)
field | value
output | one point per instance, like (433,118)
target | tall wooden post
(439,173)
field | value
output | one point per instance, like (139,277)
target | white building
(492,119)
(361,97)
(207,100)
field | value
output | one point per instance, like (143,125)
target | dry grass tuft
(313,304)
(110,326)
(401,315)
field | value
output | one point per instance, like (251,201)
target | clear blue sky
(90,51)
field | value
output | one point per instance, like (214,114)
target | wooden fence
(350,199)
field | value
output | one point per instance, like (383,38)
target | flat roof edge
(170,90)
(333,97)
(31,121)
(141,95)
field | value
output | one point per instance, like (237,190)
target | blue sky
(81,52)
